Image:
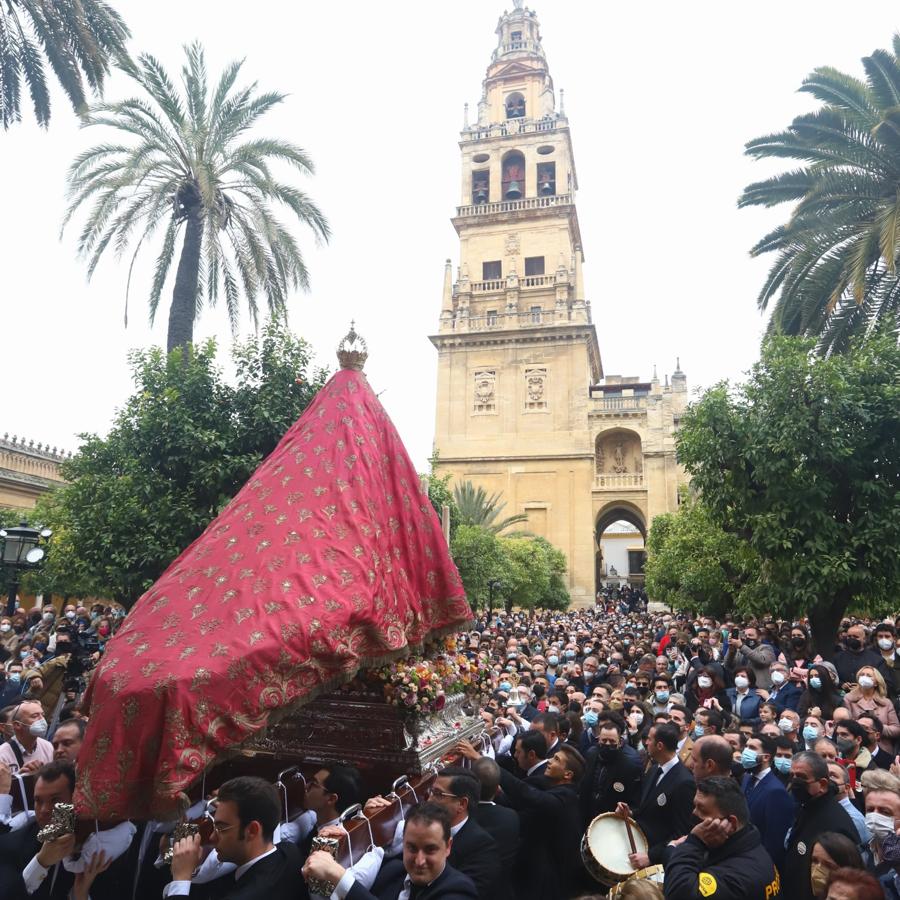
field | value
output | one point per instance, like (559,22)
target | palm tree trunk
(187,282)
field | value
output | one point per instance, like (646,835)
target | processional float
(245,656)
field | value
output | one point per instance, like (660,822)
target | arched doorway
(619,537)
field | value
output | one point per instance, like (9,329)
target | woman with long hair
(821,695)
(705,689)
(870,696)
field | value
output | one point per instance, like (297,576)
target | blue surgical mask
(749,758)
(815,683)
(662,696)
(698,731)
(590,719)
(553,660)
(570,654)
(505,686)
(14,677)
(810,732)
(782,764)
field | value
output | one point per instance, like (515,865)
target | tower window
(491,271)
(515,106)
(536,315)
(534,265)
(547,179)
(481,186)
(491,317)
(516,36)
(514,176)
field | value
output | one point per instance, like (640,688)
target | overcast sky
(661,97)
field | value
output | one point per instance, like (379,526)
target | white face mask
(38,728)
(704,681)
(786,726)
(778,677)
(5,627)
(886,644)
(866,681)
(741,682)
(880,825)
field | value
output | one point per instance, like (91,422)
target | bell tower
(517,351)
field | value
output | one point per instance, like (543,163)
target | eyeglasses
(222,826)
(437,792)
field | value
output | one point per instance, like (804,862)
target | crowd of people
(753,767)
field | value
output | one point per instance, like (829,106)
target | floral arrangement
(420,685)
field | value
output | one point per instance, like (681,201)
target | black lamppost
(492,586)
(19,552)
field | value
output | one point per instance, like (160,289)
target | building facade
(27,470)
(523,407)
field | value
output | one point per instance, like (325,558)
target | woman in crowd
(704,687)
(870,696)
(821,696)
(830,852)
(745,698)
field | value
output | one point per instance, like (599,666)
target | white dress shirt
(183,888)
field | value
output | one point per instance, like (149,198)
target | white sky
(660,96)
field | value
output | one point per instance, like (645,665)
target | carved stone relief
(485,391)
(536,388)
(513,245)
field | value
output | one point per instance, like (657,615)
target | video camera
(82,647)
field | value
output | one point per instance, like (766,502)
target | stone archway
(619,458)
(619,512)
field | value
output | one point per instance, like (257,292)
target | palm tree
(476,508)
(78,38)
(187,164)
(835,275)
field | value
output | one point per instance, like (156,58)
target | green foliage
(835,273)
(693,564)
(476,508)
(180,448)
(78,40)
(530,570)
(803,463)
(440,495)
(182,161)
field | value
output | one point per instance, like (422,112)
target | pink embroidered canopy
(329,559)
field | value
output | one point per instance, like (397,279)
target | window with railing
(490,318)
(481,186)
(534,265)
(536,315)
(491,271)
(515,106)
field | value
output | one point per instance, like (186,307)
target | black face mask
(608,754)
(751,643)
(854,645)
(798,642)
(799,790)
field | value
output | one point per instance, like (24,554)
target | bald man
(711,755)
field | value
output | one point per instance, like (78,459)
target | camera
(82,648)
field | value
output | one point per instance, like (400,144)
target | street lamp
(20,551)
(492,586)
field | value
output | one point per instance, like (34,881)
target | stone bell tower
(517,353)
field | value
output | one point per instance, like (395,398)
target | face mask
(47,617)
(608,754)
(799,790)
(662,696)
(553,709)
(23,654)
(818,878)
(103,630)
(570,654)
(70,615)
(698,731)
(810,733)
(880,826)
(615,704)
(782,764)
(749,642)
(845,745)
(41,647)
(510,668)
(778,677)
(5,627)
(866,681)
(854,644)
(38,728)
(704,681)
(798,642)
(741,682)
(505,686)
(552,660)
(638,718)
(786,726)
(590,719)
(749,758)
(815,683)
(886,643)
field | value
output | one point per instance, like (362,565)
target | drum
(651,873)
(605,848)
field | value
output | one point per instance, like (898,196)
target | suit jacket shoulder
(274,878)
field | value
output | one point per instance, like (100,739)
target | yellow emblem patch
(707,884)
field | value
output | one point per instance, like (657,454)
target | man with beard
(854,655)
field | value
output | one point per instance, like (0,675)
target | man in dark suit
(772,808)
(873,727)
(667,796)
(247,812)
(424,867)
(612,772)
(785,694)
(549,863)
(474,852)
(500,822)
(30,870)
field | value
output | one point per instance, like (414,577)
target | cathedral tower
(519,366)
